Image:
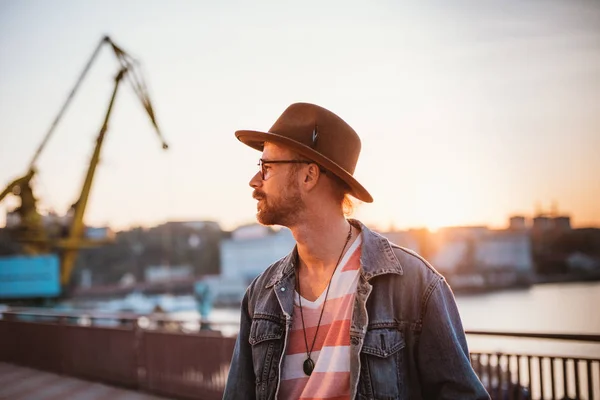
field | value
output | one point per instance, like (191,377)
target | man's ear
(312,175)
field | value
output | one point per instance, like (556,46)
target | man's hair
(341,190)
(342,194)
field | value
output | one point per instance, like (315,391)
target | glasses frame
(262,162)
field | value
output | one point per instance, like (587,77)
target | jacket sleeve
(442,354)
(241,381)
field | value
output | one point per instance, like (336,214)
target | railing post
(552,379)
(490,373)
(519,377)
(576,370)
(529,385)
(499,373)
(589,382)
(509,376)
(541,371)
(479,366)
(565,386)
(141,367)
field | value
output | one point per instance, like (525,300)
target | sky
(468,112)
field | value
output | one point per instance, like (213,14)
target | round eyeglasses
(264,165)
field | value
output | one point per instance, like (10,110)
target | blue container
(23,277)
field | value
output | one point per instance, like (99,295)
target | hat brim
(256,140)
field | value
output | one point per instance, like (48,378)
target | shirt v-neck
(319,300)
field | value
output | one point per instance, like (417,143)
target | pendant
(308,366)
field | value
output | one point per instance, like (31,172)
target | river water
(549,308)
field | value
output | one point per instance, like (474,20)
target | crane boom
(67,102)
(137,83)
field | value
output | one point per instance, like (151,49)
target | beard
(284,209)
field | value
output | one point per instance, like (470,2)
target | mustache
(258,195)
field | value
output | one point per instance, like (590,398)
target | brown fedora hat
(319,135)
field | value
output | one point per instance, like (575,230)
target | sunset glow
(467,115)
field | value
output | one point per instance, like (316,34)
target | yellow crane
(31,232)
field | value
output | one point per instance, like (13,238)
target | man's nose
(256,180)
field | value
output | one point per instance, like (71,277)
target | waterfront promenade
(21,383)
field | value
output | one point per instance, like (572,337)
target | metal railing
(190,359)
(528,376)
(177,359)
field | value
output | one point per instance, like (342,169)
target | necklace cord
(308,353)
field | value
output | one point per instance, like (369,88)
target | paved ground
(20,383)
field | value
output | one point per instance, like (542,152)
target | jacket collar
(377,257)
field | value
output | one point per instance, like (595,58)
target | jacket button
(283,289)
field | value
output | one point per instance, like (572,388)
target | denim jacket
(406,335)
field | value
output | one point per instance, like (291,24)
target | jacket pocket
(266,341)
(382,365)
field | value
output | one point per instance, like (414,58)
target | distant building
(542,223)
(251,249)
(486,260)
(200,225)
(562,223)
(452,248)
(517,223)
(504,251)
(450,256)
(404,239)
(462,232)
(551,223)
(99,233)
(165,273)
(252,231)
(582,262)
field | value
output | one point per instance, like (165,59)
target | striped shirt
(331,353)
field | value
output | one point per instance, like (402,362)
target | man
(346,314)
